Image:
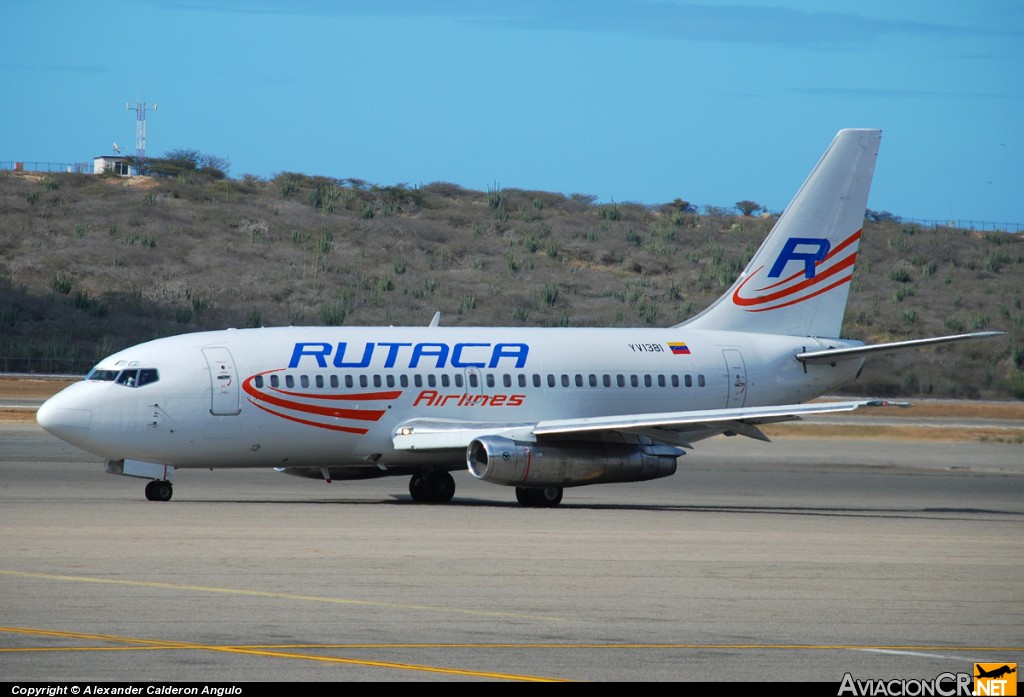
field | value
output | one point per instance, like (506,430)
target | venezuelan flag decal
(679,348)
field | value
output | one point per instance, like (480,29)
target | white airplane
(536,409)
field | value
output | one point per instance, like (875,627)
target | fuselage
(335,396)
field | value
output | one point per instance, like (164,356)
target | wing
(680,428)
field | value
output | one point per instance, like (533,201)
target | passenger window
(289,381)
(506,380)
(490,379)
(536,380)
(522,379)
(334,381)
(565,380)
(275,381)
(417,380)
(700,381)
(551,380)
(304,380)
(363,381)
(474,380)
(431,380)
(376,381)
(593,380)
(661,381)
(634,381)
(348,381)
(689,380)
(258,381)
(320,381)
(403,380)
(458,380)
(445,380)
(390,380)
(620,380)
(606,380)
(579,380)
(647,381)
(675,381)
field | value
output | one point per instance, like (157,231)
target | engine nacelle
(513,463)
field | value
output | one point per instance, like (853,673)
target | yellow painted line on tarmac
(249,651)
(728,647)
(282,596)
(289,651)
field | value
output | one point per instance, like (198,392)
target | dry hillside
(91,264)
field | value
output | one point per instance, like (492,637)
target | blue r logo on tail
(809,259)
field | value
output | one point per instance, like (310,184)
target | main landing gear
(159,490)
(548,497)
(433,487)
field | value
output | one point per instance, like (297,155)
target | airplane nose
(70,425)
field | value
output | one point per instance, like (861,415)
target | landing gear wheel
(435,487)
(548,497)
(417,489)
(159,490)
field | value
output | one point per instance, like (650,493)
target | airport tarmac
(803,559)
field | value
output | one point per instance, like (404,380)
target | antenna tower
(140,126)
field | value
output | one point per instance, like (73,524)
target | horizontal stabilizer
(841,354)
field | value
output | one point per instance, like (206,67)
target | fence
(74,167)
(979,225)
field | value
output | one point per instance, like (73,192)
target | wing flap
(702,419)
(675,428)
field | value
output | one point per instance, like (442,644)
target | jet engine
(514,463)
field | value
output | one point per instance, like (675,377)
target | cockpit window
(135,377)
(129,378)
(105,375)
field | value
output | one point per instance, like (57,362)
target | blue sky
(628,100)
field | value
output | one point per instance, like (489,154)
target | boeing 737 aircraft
(535,409)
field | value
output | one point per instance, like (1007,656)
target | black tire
(548,497)
(440,487)
(162,490)
(417,489)
(150,493)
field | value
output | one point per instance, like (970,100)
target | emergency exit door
(736,373)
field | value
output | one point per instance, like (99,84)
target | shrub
(332,315)
(61,283)
(900,275)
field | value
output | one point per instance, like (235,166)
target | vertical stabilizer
(799,279)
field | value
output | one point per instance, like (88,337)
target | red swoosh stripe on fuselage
(256,397)
(346,429)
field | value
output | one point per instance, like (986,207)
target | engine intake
(513,463)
